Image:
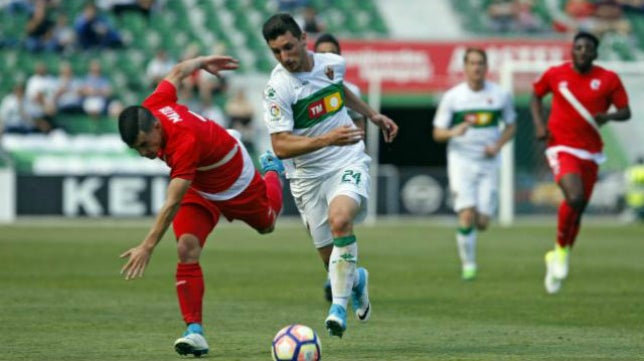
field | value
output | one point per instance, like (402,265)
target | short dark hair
(475,50)
(587,35)
(133,120)
(280,24)
(327,38)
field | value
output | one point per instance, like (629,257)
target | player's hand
(345,135)
(601,119)
(542,134)
(491,150)
(460,129)
(215,63)
(138,258)
(389,127)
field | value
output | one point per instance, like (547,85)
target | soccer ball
(296,343)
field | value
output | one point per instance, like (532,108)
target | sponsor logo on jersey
(328,104)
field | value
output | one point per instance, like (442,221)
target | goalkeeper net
(527,186)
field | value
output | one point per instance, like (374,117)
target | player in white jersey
(323,155)
(468,118)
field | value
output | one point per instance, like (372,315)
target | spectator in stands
(39,28)
(119,7)
(502,15)
(95,31)
(610,18)
(97,90)
(240,114)
(20,115)
(63,36)
(636,6)
(158,67)
(310,22)
(68,94)
(40,91)
(291,6)
(526,18)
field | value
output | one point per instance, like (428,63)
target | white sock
(467,248)
(342,272)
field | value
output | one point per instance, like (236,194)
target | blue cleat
(192,342)
(336,322)
(270,162)
(360,296)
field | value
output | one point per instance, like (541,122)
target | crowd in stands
(600,17)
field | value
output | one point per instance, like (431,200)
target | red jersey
(196,149)
(595,90)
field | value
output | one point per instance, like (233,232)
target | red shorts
(198,216)
(566,163)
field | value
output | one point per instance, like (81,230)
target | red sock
(190,289)
(568,225)
(274,191)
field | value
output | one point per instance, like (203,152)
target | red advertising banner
(421,67)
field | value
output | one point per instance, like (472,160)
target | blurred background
(70,66)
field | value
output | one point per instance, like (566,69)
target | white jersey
(311,104)
(485,108)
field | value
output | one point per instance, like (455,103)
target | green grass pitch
(61,296)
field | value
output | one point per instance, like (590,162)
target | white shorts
(473,183)
(313,196)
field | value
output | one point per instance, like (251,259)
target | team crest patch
(595,83)
(329,72)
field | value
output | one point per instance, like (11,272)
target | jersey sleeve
(619,97)
(444,113)
(187,156)
(165,93)
(542,87)
(278,112)
(509,113)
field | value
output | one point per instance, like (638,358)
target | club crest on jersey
(329,72)
(269,93)
(595,83)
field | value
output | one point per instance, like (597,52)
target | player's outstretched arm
(139,256)
(288,145)
(212,64)
(389,127)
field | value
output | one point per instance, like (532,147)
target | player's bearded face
(290,51)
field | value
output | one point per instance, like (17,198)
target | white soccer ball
(296,343)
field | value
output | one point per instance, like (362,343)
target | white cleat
(191,344)
(552,283)
(560,264)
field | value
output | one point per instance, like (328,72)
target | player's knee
(188,248)
(576,202)
(340,224)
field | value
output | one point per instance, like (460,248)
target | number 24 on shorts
(350,176)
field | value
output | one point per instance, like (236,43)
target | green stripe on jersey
(318,106)
(481,118)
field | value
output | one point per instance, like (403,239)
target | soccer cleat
(360,296)
(270,162)
(560,262)
(328,294)
(336,321)
(468,273)
(552,283)
(192,342)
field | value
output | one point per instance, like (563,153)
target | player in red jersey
(211,175)
(582,94)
